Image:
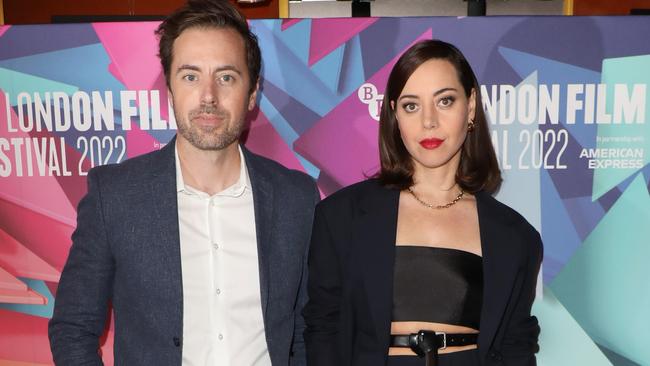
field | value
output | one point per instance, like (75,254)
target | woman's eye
(446,101)
(409,107)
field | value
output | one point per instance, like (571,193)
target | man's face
(209,86)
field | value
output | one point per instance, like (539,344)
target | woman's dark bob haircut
(478,169)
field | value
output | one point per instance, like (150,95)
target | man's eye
(190,77)
(226,79)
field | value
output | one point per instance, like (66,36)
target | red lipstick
(431,143)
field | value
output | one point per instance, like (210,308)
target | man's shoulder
(278,173)
(132,169)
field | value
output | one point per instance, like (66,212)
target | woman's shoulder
(354,195)
(511,217)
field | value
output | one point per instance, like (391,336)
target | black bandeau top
(437,285)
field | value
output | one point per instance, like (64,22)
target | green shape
(629,71)
(14,83)
(562,342)
(605,284)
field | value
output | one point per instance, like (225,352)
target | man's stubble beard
(214,137)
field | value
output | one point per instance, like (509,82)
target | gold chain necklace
(439,207)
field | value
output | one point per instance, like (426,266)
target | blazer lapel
(498,274)
(165,225)
(263,203)
(374,237)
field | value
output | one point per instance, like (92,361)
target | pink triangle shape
(16,259)
(9,282)
(328,34)
(263,139)
(3,29)
(133,52)
(287,23)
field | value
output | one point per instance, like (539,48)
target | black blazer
(350,285)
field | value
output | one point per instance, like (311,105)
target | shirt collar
(235,190)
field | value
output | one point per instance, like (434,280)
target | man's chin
(212,144)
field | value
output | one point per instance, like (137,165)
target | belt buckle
(444,340)
(414,344)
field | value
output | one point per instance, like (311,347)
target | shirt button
(218,291)
(215,246)
(220,337)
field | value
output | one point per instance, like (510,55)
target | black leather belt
(427,343)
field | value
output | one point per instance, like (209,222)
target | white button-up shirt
(222,311)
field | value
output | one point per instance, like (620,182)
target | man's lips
(208,118)
(431,143)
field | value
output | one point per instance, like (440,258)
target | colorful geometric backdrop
(567,99)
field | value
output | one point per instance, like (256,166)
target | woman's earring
(470,125)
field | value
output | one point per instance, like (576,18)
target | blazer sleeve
(298,353)
(84,289)
(520,338)
(322,312)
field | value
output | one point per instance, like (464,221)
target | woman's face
(433,113)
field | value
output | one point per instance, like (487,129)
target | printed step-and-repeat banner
(567,99)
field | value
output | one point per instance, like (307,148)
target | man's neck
(210,171)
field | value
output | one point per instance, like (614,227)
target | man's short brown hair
(208,14)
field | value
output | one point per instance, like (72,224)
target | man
(201,246)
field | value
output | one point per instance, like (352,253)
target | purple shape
(577,181)
(466,33)
(584,213)
(28,40)
(555,39)
(609,199)
(394,34)
(551,267)
(295,113)
(620,43)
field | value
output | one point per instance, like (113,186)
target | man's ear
(252,98)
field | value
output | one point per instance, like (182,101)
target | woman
(422,261)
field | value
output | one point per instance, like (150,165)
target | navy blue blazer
(126,250)
(350,285)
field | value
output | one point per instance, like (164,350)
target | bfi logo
(369,95)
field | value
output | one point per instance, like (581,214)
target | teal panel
(328,69)
(43,311)
(562,342)
(627,71)
(604,286)
(14,82)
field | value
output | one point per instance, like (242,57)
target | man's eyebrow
(228,68)
(185,67)
(190,67)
